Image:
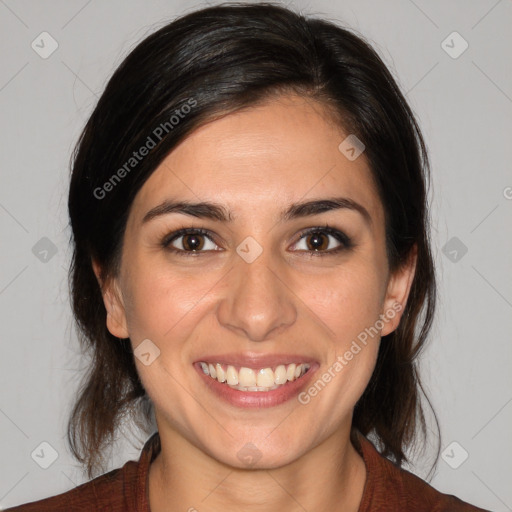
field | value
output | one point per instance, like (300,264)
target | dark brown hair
(207,64)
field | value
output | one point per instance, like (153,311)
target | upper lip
(254,360)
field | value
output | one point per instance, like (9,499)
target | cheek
(347,300)
(164,304)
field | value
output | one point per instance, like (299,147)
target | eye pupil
(319,241)
(192,242)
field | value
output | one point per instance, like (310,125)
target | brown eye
(323,241)
(317,241)
(193,242)
(190,241)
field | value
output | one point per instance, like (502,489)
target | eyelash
(341,237)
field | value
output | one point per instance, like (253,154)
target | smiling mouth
(254,379)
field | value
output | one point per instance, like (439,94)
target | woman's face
(257,292)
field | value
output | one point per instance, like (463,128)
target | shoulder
(389,487)
(121,490)
(105,494)
(417,493)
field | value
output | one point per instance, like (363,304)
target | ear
(397,293)
(113,301)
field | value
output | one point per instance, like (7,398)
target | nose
(258,303)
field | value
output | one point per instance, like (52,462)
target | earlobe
(112,300)
(399,287)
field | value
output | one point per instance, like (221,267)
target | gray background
(465,109)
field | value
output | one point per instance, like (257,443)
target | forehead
(262,158)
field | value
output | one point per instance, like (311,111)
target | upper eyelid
(175,235)
(179,233)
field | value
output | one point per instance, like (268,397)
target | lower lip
(255,399)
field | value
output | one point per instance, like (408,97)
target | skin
(256,163)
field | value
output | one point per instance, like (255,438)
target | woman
(252,266)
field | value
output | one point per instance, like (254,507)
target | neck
(331,476)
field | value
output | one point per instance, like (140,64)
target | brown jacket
(387,489)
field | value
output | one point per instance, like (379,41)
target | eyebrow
(215,211)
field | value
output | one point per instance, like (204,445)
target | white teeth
(280,374)
(231,376)
(221,374)
(290,372)
(265,378)
(247,379)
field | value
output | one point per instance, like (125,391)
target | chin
(259,454)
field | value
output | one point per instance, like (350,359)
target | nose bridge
(257,300)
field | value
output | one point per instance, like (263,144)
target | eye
(320,241)
(317,241)
(189,242)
